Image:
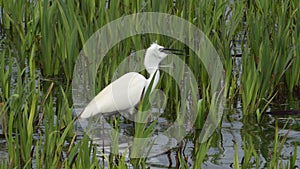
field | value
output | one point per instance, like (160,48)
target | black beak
(173,51)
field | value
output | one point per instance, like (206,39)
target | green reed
(293,157)
(47,36)
(5,74)
(20,121)
(278,147)
(267,53)
(16,21)
(201,150)
(293,74)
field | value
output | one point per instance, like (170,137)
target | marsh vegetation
(259,45)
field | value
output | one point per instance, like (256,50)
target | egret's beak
(173,51)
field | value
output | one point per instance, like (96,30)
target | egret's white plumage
(126,92)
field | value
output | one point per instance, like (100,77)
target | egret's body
(126,92)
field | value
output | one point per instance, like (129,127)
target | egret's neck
(152,66)
(151,63)
(155,77)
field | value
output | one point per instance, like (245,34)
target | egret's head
(156,51)
(155,54)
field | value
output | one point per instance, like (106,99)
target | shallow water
(234,129)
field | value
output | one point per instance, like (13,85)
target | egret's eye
(164,51)
(161,49)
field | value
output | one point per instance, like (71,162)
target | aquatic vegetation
(40,42)
(268,53)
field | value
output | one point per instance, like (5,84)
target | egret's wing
(124,93)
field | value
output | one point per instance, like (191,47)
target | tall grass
(43,38)
(269,53)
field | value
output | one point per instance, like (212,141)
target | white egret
(126,92)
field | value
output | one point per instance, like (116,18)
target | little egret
(126,92)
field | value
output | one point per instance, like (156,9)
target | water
(235,129)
